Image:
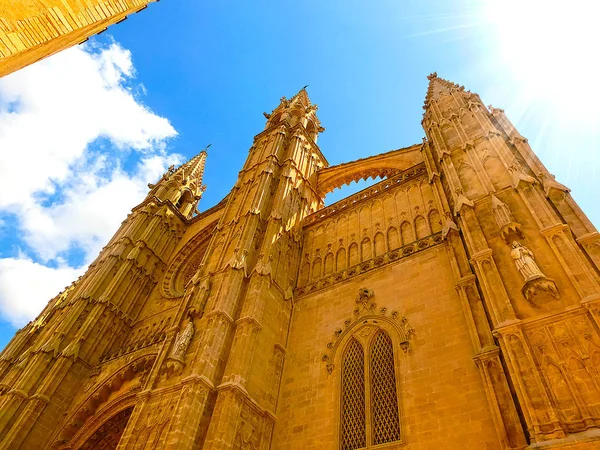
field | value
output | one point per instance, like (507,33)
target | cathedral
(453,305)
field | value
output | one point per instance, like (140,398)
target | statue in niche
(535,280)
(182,341)
(175,361)
(524,261)
(239,262)
(505,220)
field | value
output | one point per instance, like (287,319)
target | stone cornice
(371,264)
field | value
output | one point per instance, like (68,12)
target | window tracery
(369,397)
(384,398)
(353,398)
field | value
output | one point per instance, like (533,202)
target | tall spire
(302,96)
(183,186)
(193,170)
(437,86)
(297,110)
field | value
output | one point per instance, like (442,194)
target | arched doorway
(108,435)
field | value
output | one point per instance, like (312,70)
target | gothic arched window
(384,398)
(353,398)
(369,398)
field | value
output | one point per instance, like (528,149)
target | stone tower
(31,30)
(454,305)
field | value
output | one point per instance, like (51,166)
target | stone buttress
(239,300)
(528,271)
(177,335)
(47,361)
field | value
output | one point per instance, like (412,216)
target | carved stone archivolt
(186,264)
(142,335)
(367,311)
(107,437)
(134,373)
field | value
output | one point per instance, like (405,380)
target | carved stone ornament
(289,292)
(460,201)
(199,294)
(407,332)
(552,188)
(364,301)
(535,280)
(519,176)
(449,226)
(505,220)
(182,342)
(368,308)
(239,261)
(175,360)
(263,267)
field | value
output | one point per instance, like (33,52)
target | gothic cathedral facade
(453,305)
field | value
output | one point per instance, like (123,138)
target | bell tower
(45,364)
(237,306)
(534,256)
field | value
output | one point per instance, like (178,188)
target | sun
(551,49)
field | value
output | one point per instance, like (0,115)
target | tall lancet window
(353,398)
(369,400)
(384,398)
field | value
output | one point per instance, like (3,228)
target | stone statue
(524,261)
(239,262)
(182,341)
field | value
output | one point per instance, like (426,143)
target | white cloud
(91,211)
(64,192)
(52,110)
(26,287)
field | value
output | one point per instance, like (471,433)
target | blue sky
(162,85)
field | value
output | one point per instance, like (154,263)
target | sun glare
(551,48)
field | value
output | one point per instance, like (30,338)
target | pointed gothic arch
(379,241)
(304,274)
(469,180)
(115,393)
(406,231)
(496,171)
(108,435)
(353,255)
(341,262)
(328,268)
(366,367)
(366,251)
(421,227)
(435,222)
(393,238)
(317,270)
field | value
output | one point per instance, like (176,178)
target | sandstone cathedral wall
(455,304)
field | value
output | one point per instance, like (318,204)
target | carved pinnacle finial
(432,75)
